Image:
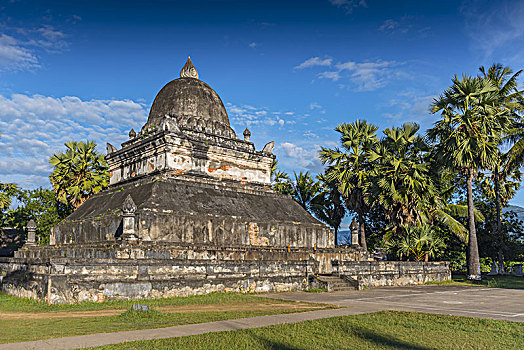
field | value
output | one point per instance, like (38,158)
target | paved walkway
(494,303)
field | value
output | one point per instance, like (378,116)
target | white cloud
(388,25)
(415,25)
(314,62)
(366,76)
(495,26)
(335,76)
(349,5)
(34,127)
(410,106)
(314,105)
(20,48)
(248,116)
(253,45)
(298,157)
(13,56)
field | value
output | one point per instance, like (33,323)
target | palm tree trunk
(362,231)
(498,234)
(336,236)
(474,260)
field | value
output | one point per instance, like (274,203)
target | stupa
(189,179)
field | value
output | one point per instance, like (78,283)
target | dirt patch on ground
(169,308)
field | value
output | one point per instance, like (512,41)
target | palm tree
(419,243)
(280,181)
(443,210)
(466,139)
(328,205)
(304,189)
(402,181)
(78,173)
(351,168)
(510,99)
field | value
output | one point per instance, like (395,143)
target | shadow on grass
(384,340)
(272,344)
(507,282)
(363,333)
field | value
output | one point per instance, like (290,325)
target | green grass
(10,303)
(32,325)
(510,282)
(381,330)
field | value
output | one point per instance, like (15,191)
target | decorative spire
(129,206)
(247,134)
(189,70)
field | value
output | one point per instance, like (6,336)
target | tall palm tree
(350,167)
(328,205)
(511,100)
(466,139)
(78,173)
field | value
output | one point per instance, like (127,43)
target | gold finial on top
(189,70)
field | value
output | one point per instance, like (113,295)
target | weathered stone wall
(119,270)
(70,281)
(196,211)
(393,273)
(74,273)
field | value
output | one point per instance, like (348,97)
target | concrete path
(494,303)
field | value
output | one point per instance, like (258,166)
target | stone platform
(123,270)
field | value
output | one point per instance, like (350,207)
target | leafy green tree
(304,189)
(508,239)
(328,205)
(351,168)
(402,180)
(78,173)
(7,192)
(466,139)
(40,205)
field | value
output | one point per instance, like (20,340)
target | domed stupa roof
(193,103)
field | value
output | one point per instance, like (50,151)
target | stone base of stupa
(137,270)
(131,270)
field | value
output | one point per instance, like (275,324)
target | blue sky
(289,70)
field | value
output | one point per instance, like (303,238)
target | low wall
(71,281)
(119,270)
(393,273)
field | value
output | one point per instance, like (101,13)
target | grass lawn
(511,282)
(24,320)
(381,330)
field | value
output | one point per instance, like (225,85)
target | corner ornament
(129,206)
(128,220)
